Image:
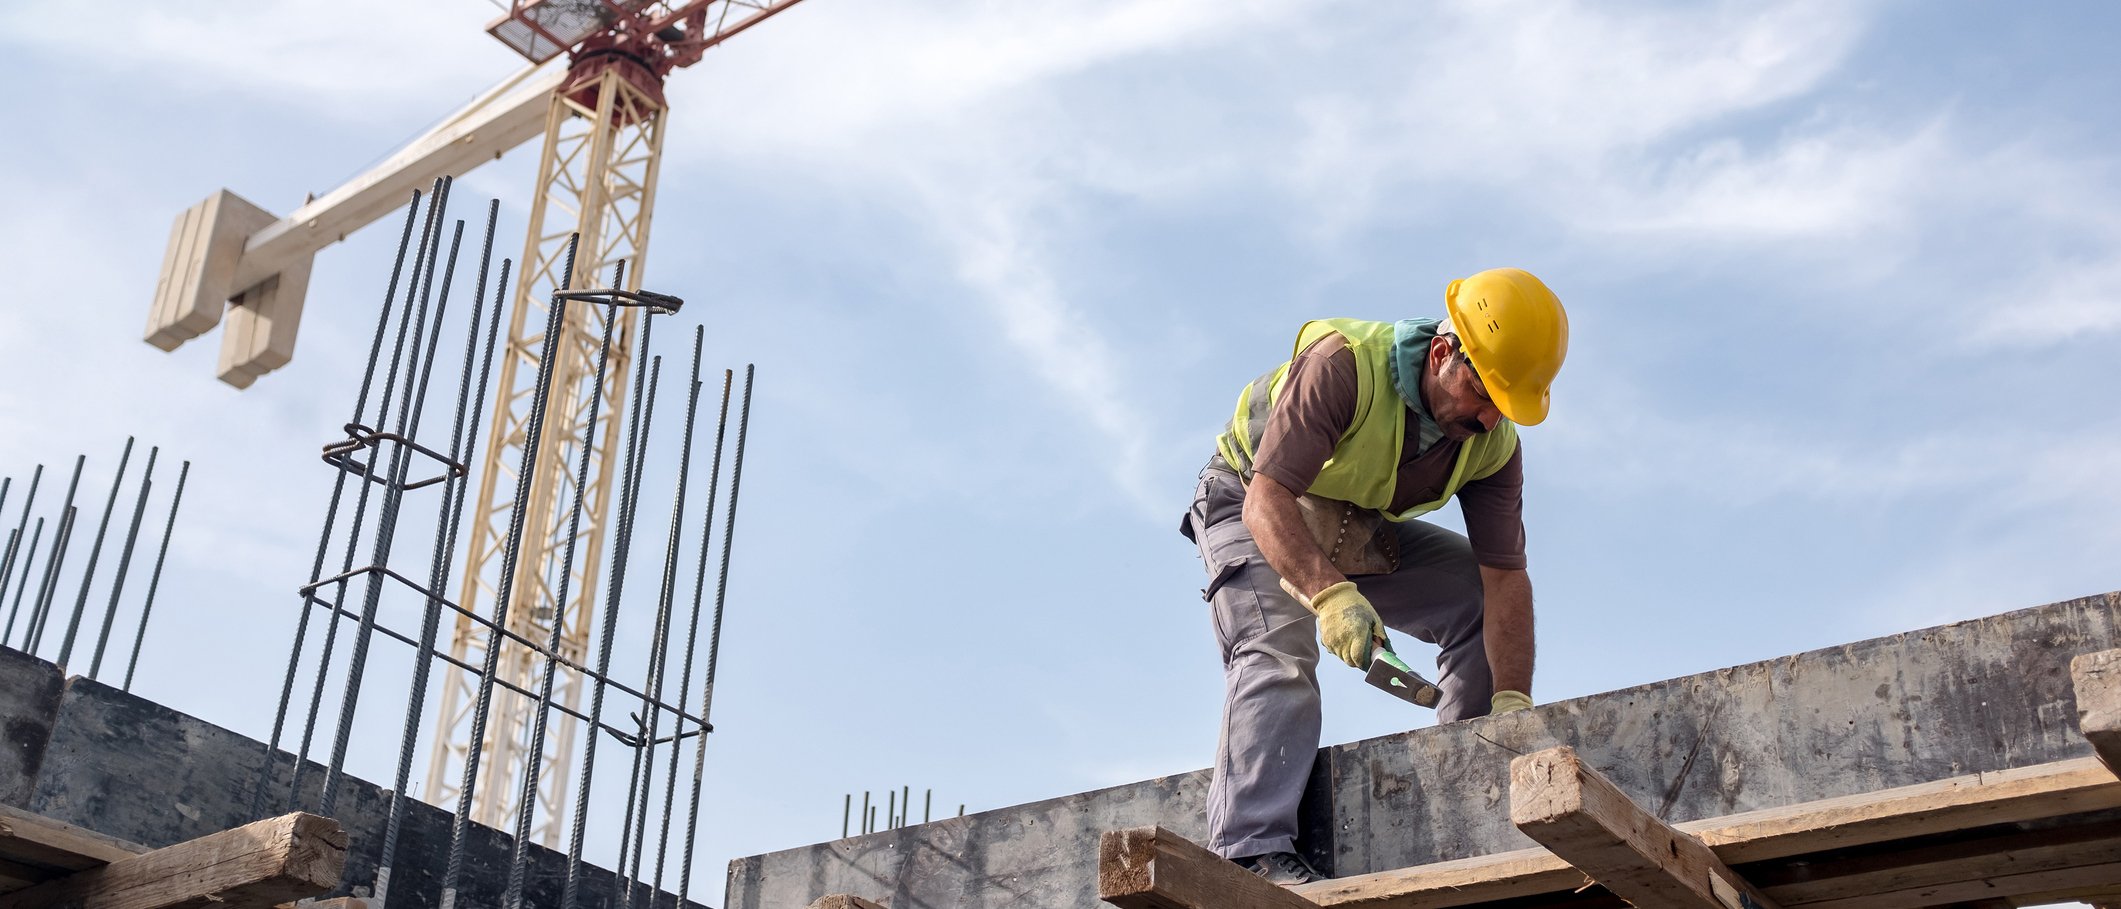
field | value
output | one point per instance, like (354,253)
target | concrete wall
(91,755)
(1973,696)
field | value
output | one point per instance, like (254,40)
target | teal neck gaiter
(1410,345)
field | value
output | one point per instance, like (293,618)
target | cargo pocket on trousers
(1224,574)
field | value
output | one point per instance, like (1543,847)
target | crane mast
(596,178)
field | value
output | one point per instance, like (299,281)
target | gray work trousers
(1270,659)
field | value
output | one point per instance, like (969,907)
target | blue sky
(1844,280)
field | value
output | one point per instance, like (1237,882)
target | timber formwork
(45,863)
(1969,765)
(2029,837)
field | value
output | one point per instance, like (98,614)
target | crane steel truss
(596,177)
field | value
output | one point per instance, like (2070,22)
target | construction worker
(1304,519)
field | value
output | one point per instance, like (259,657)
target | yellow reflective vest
(1364,466)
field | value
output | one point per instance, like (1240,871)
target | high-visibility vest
(1364,467)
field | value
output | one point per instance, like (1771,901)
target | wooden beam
(258,865)
(1559,801)
(2060,883)
(1829,878)
(843,901)
(1153,868)
(2098,681)
(35,849)
(2003,797)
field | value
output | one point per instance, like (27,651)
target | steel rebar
(714,640)
(60,535)
(541,391)
(155,580)
(125,561)
(643,763)
(331,509)
(95,550)
(647,377)
(410,407)
(7,569)
(31,556)
(662,853)
(52,566)
(461,447)
(430,245)
(527,802)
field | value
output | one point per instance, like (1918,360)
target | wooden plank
(258,865)
(2062,882)
(1559,801)
(843,901)
(35,849)
(2009,796)
(2003,797)
(1827,879)
(1463,882)
(2098,681)
(1153,868)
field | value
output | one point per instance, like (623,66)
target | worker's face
(1459,403)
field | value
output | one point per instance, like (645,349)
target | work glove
(1507,701)
(1348,625)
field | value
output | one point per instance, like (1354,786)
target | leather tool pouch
(1356,540)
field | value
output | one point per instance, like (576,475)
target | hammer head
(1391,674)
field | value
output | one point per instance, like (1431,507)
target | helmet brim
(1526,407)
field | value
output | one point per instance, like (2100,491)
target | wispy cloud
(293,55)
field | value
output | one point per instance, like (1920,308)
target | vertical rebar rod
(927,802)
(331,511)
(643,783)
(533,437)
(699,588)
(7,571)
(7,561)
(423,266)
(27,558)
(647,377)
(125,561)
(714,639)
(95,550)
(155,580)
(846,813)
(51,580)
(692,636)
(410,409)
(533,756)
(461,447)
(643,766)
(52,563)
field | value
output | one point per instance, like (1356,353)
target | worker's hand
(1347,624)
(1508,702)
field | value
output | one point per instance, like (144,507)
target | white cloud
(1541,101)
(1823,186)
(319,56)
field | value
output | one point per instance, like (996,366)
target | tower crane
(594,91)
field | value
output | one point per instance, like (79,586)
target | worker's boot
(1285,868)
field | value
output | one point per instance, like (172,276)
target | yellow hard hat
(1514,330)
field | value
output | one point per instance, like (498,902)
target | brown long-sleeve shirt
(1316,407)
